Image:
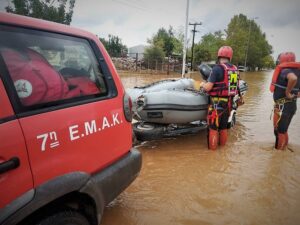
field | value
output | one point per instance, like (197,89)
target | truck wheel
(68,217)
(148,131)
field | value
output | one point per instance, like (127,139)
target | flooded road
(246,182)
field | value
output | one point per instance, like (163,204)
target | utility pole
(185,38)
(194,31)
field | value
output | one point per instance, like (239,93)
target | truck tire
(67,217)
(148,131)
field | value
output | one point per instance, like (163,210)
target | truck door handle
(11,164)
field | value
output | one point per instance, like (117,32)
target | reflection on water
(246,182)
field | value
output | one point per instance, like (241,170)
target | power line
(147,5)
(136,4)
(194,31)
(131,5)
(143,5)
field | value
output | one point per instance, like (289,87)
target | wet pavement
(246,182)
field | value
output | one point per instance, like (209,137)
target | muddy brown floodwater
(245,183)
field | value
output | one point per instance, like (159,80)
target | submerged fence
(139,63)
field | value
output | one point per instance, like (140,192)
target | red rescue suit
(221,104)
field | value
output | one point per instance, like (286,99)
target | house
(140,49)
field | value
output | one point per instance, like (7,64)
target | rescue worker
(221,85)
(285,85)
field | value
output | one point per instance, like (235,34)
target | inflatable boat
(171,101)
(173,107)
(171,84)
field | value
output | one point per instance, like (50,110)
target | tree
(153,55)
(268,62)
(52,10)
(245,37)
(178,40)
(167,41)
(114,46)
(247,40)
(207,48)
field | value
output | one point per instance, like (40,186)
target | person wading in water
(222,85)
(285,86)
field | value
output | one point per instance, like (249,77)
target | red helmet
(286,57)
(225,52)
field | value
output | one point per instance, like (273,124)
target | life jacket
(277,71)
(79,79)
(229,85)
(83,84)
(35,80)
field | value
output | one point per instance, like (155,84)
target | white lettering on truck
(94,126)
(73,132)
(105,123)
(115,119)
(76,131)
(90,127)
(53,140)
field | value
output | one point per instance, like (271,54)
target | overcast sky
(134,21)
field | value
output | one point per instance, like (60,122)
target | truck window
(50,68)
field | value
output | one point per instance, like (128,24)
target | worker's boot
(223,137)
(213,139)
(281,143)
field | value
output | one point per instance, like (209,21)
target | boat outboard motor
(205,71)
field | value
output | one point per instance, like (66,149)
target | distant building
(140,49)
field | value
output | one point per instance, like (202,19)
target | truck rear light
(127,106)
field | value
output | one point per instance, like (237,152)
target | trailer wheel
(233,122)
(148,131)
